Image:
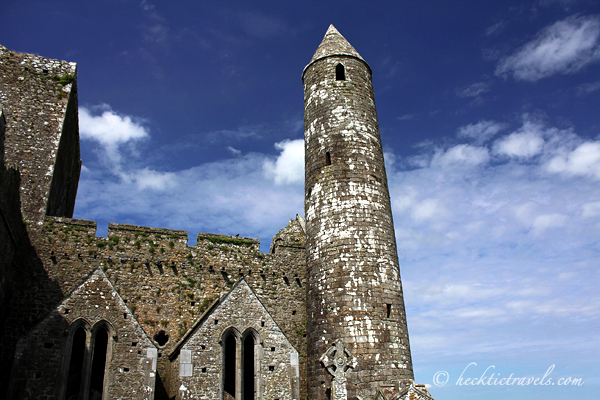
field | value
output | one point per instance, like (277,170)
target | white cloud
(546,221)
(583,161)
(110,128)
(564,47)
(289,166)
(149,179)
(481,131)
(462,154)
(525,143)
(591,210)
(234,151)
(429,210)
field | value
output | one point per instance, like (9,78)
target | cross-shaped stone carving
(338,360)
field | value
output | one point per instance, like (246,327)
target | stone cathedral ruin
(139,314)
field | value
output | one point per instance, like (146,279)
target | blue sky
(191,118)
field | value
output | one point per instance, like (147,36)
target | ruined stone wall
(39,98)
(41,363)
(168,284)
(354,289)
(240,313)
(11,228)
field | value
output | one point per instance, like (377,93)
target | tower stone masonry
(354,294)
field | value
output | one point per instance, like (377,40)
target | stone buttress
(357,336)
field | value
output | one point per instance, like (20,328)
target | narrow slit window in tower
(98,364)
(229,366)
(389,310)
(340,73)
(76,364)
(327,158)
(249,375)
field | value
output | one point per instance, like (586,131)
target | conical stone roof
(334,44)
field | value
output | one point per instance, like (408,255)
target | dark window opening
(248,376)
(133,344)
(161,338)
(298,282)
(229,373)
(98,364)
(262,323)
(271,368)
(125,369)
(204,369)
(294,312)
(327,158)
(286,280)
(340,73)
(76,365)
(272,348)
(389,310)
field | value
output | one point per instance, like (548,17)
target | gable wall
(41,362)
(241,311)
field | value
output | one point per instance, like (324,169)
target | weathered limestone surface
(41,361)
(239,313)
(11,228)
(39,97)
(354,289)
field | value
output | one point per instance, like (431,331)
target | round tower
(357,334)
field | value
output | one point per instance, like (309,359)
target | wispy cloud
(589,87)
(488,233)
(495,29)
(407,117)
(481,131)
(473,90)
(565,47)
(155,29)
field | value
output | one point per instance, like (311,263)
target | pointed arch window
(77,358)
(241,364)
(100,351)
(340,72)
(89,350)
(249,373)
(230,365)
